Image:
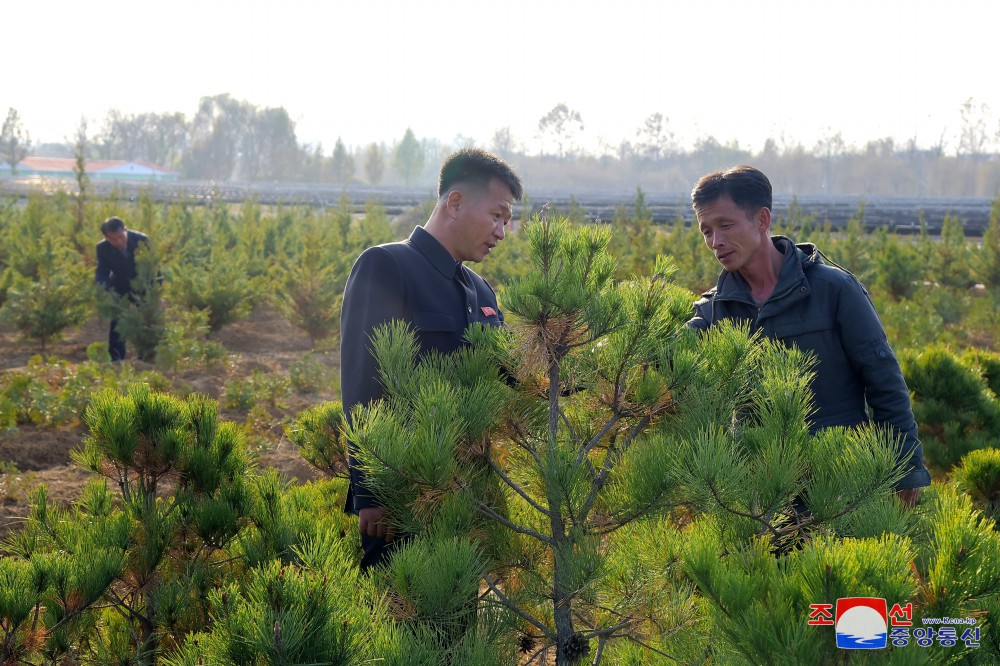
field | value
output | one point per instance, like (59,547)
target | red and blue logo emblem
(862,623)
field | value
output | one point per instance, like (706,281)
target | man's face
(482,218)
(732,235)
(118,239)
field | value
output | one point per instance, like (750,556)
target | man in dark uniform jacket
(423,282)
(115,270)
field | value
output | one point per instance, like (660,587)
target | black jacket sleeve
(886,393)
(375,294)
(102,275)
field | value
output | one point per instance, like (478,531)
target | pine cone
(576,647)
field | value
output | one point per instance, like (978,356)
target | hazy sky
(366,70)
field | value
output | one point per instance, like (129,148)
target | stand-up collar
(436,254)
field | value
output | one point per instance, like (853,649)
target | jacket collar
(797,258)
(434,252)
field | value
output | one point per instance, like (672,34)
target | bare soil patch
(267,342)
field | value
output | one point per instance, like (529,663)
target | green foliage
(184,344)
(310,374)
(310,289)
(636,243)
(896,266)
(960,566)
(149,555)
(221,286)
(615,413)
(986,261)
(50,298)
(707,457)
(759,603)
(955,410)
(978,476)
(852,250)
(283,615)
(53,392)
(987,364)
(950,259)
(139,314)
(13,482)
(260,388)
(318,432)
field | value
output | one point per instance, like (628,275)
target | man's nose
(499,230)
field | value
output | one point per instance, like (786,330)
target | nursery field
(594,484)
(35,454)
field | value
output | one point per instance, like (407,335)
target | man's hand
(373,521)
(908,496)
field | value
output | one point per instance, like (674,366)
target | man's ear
(764,218)
(453,201)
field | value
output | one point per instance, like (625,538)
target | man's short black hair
(111,225)
(477,166)
(748,187)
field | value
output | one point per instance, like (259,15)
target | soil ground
(32,455)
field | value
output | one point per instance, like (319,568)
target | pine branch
(642,512)
(598,437)
(539,652)
(517,489)
(569,426)
(600,650)
(614,454)
(851,506)
(491,513)
(607,631)
(770,528)
(651,648)
(506,601)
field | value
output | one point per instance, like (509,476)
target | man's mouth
(725,255)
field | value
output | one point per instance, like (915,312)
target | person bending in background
(788,293)
(423,282)
(116,269)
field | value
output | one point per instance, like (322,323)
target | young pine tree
(220,285)
(545,454)
(54,296)
(139,314)
(122,576)
(310,286)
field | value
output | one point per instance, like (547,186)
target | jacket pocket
(435,322)
(438,330)
(797,329)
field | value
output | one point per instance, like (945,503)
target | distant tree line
(235,140)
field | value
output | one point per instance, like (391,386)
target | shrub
(310,293)
(978,475)
(955,410)
(987,364)
(221,286)
(260,388)
(318,432)
(41,306)
(310,375)
(184,344)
